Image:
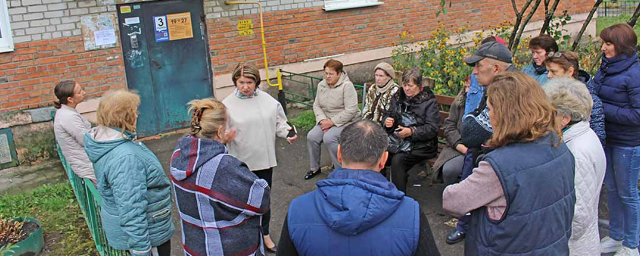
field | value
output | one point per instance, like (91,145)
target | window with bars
(332,5)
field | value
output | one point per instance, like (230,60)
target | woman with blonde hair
(257,119)
(527,179)
(573,102)
(221,202)
(136,194)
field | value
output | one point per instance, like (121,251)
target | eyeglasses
(555,54)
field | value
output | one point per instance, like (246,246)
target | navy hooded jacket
(354,212)
(617,83)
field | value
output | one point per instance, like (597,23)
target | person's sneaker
(609,245)
(626,251)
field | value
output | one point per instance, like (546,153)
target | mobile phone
(293,130)
(398,130)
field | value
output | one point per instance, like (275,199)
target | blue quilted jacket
(617,83)
(136,194)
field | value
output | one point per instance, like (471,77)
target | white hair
(570,97)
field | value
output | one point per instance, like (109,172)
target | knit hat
(476,130)
(387,69)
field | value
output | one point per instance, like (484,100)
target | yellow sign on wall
(245,27)
(179,26)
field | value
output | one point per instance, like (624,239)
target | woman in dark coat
(618,86)
(448,167)
(412,123)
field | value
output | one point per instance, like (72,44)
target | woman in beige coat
(335,106)
(69,128)
(257,119)
(573,102)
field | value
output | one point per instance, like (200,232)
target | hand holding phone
(293,131)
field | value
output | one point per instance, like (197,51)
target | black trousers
(402,162)
(265,174)
(165,249)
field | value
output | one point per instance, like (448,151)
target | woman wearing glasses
(335,106)
(565,64)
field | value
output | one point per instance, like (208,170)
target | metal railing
(617,8)
(90,203)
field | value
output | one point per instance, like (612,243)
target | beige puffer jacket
(69,128)
(339,104)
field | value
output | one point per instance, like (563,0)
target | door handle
(157,64)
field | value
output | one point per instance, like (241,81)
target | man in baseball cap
(490,60)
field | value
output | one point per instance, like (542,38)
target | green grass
(55,206)
(604,22)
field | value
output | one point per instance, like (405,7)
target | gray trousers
(315,138)
(452,169)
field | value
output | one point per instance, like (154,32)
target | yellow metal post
(264,45)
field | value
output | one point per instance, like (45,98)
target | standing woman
(136,194)
(257,118)
(220,200)
(335,106)
(565,64)
(69,128)
(618,85)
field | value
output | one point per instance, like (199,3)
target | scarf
(242,96)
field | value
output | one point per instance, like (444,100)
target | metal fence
(90,202)
(617,8)
(311,83)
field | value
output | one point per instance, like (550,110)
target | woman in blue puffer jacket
(136,194)
(618,86)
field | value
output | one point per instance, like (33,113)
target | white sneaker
(626,251)
(608,245)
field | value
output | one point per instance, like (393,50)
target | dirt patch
(27,229)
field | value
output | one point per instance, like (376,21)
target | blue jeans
(467,169)
(621,181)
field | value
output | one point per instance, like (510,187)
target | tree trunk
(519,15)
(585,25)
(548,15)
(524,24)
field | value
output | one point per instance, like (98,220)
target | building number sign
(173,27)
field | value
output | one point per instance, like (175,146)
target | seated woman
(221,202)
(511,189)
(136,194)
(573,103)
(378,98)
(451,158)
(69,128)
(335,106)
(412,122)
(565,64)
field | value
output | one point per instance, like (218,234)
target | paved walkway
(288,183)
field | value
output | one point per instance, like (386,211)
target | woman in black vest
(526,180)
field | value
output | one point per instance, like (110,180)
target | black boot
(455,237)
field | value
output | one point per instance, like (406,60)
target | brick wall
(304,33)
(49,47)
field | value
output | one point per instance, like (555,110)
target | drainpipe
(281,96)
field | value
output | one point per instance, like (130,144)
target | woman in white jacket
(573,102)
(256,118)
(69,128)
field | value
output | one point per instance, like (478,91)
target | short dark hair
(63,91)
(566,60)
(412,75)
(545,42)
(335,65)
(622,37)
(363,142)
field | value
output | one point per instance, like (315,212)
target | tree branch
(518,21)
(585,25)
(548,16)
(524,24)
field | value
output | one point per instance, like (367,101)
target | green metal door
(166,60)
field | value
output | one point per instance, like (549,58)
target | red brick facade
(28,74)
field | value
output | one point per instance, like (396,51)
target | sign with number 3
(161,29)
(174,26)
